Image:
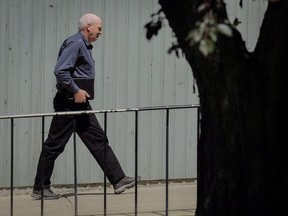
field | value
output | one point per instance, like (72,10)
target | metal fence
(105,112)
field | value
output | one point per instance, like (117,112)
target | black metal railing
(105,112)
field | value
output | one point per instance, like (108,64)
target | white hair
(86,19)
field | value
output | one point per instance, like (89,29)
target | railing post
(167,161)
(136,162)
(12,166)
(75,170)
(105,165)
(42,164)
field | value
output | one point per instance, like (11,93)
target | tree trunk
(242,163)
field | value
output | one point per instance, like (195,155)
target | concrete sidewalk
(151,201)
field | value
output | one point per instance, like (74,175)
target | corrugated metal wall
(250,16)
(130,72)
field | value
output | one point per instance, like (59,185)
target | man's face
(94,30)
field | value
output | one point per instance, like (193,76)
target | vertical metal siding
(3,96)
(130,72)
(250,16)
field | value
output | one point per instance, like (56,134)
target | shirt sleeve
(65,66)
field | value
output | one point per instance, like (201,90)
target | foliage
(204,35)
(154,26)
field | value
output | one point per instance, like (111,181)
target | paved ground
(151,201)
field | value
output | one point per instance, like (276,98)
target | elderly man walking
(75,61)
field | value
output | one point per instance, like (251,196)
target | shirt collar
(87,43)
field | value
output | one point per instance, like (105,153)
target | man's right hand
(81,96)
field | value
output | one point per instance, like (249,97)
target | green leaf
(224,29)
(206,47)
(213,36)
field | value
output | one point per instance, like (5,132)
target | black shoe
(125,183)
(48,194)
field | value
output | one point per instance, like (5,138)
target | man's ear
(88,27)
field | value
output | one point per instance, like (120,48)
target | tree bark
(242,162)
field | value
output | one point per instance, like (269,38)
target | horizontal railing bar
(100,111)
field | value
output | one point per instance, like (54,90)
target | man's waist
(86,84)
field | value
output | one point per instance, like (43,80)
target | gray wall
(130,72)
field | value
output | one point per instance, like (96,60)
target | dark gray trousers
(89,131)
